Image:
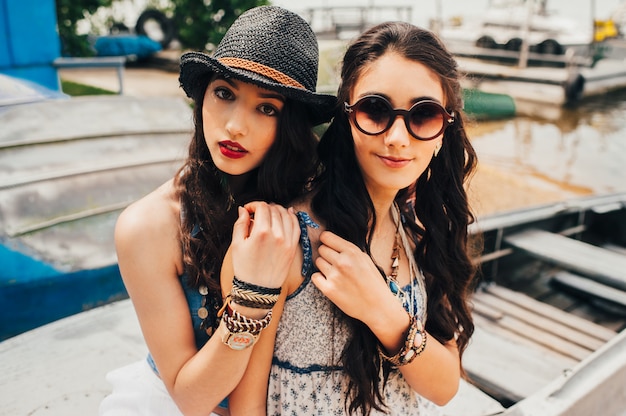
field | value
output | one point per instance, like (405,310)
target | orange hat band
(261,69)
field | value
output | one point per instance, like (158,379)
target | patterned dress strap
(304,220)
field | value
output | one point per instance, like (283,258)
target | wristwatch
(238,340)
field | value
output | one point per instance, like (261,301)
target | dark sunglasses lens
(372,115)
(426,120)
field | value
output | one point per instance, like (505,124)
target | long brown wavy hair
(438,199)
(210,208)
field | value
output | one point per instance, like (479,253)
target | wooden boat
(68,167)
(544,344)
(551,309)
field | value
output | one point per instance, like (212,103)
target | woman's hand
(349,278)
(265,241)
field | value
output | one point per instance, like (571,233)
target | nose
(398,135)
(236,122)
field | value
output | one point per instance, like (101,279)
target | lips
(394,162)
(232,150)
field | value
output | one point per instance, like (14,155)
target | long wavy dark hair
(209,206)
(437,199)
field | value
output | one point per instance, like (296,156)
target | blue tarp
(124,45)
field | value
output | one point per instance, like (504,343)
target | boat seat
(590,288)
(600,264)
(521,344)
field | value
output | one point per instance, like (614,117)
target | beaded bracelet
(414,345)
(254,296)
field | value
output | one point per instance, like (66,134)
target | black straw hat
(270,47)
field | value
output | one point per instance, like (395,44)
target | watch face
(240,340)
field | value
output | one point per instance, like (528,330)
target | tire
(574,87)
(486,42)
(551,47)
(514,44)
(145,26)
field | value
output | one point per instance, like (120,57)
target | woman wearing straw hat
(376,315)
(255,106)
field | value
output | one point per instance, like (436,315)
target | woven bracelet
(235,322)
(252,302)
(253,296)
(260,290)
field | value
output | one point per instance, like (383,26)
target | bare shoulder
(151,220)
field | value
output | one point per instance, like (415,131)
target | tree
(69,12)
(201,24)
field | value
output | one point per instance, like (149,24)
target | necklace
(392,279)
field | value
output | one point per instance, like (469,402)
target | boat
(550,309)
(521,49)
(507,24)
(549,339)
(69,167)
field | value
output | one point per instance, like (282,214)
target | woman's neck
(236,183)
(384,220)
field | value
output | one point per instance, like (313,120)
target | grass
(75,89)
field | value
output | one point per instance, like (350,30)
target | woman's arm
(250,397)
(150,260)
(349,278)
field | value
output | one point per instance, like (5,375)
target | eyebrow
(262,94)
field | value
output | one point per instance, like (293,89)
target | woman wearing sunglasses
(376,318)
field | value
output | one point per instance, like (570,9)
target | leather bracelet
(235,322)
(241,332)
(414,345)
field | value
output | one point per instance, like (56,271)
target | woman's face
(240,122)
(394,159)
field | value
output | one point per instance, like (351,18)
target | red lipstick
(232,150)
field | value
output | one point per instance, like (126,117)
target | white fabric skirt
(138,391)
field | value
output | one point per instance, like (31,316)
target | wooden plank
(486,311)
(93,116)
(524,341)
(590,288)
(555,314)
(26,164)
(541,323)
(586,259)
(545,338)
(60,368)
(507,369)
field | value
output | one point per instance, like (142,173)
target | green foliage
(201,24)
(69,12)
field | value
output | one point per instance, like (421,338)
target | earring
(437,148)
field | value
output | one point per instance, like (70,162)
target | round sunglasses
(374,115)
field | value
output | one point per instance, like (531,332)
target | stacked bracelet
(235,322)
(414,345)
(241,332)
(253,296)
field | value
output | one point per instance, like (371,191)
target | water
(582,152)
